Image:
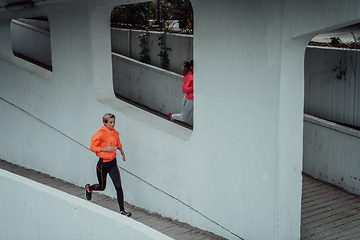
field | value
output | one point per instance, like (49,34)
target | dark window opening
(31,40)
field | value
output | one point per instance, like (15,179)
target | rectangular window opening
(30,39)
(148,51)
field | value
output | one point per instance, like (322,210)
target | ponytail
(187,65)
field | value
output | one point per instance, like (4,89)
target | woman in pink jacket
(188,89)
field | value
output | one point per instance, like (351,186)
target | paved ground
(327,211)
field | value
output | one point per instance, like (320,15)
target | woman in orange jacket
(188,89)
(105,143)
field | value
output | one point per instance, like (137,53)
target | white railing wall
(326,96)
(31,210)
(42,24)
(150,86)
(331,153)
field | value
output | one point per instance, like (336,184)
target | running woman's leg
(187,108)
(101,175)
(115,177)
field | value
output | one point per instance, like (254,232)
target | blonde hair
(107,116)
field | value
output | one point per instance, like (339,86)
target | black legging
(102,169)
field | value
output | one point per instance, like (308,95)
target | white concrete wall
(238,173)
(150,86)
(30,210)
(326,96)
(331,153)
(126,42)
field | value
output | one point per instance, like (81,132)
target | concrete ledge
(331,153)
(28,66)
(331,125)
(35,29)
(148,66)
(30,210)
(333,48)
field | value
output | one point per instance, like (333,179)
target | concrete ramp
(30,210)
(52,192)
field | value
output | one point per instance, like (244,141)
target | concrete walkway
(327,211)
(173,229)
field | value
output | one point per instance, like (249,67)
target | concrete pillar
(5,39)
(101,51)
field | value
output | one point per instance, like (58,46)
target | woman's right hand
(109,149)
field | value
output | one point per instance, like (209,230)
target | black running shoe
(87,193)
(128,214)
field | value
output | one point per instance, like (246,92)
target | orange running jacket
(102,139)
